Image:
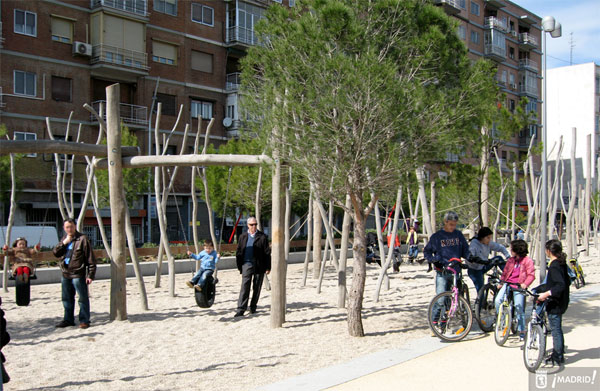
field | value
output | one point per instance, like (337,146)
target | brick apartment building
(56,55)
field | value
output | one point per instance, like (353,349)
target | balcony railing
(2,104)
(244,35)
(528,89)
(528,64)
(138,7)
(119,56)
(494,51)
(130,114)
(493,22)
(1,37)
(452,7)
(233,81)
(528,39)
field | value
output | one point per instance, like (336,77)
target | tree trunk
(514,200)
(388,259)
(118,294)
(426,220)
(257,200)
(432,206)
(484,188)
(342,291)
(309,237)
(556,192)
(382,253)
(588,193)
(288,213)
(134,259)
(359,269)
(571,244)
(278,245)
(317,229)
(11,219)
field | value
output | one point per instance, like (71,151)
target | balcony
(137,7)
(118,63)
(130,114)
(497,4)
(241,37)
(526,89)
(452,7)
(492,22)
(494,52)
(527,64)
(527,41)
(233,82)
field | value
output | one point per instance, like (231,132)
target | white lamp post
(549,25)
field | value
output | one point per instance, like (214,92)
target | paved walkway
(474,363)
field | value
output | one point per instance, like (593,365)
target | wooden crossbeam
(60,146)
(190,161)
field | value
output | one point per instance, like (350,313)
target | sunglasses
(251,225)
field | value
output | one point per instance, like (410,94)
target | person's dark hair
(519,247)
(209,242)
(555,248)
(483,232)
(69,220)
(17,240)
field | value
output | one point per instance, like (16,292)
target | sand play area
(179,346)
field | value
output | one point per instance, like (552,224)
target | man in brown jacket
(78,271)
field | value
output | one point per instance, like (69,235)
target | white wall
(571,102)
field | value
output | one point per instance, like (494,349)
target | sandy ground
(177,345)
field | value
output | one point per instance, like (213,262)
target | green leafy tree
(135,180)
(356,92)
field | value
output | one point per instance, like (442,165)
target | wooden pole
(317,229)
(11,219)
(342,290)
(309,237)
(118,296)
(588,194)
(571,244)
(278,266)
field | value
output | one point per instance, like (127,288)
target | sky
(580,17)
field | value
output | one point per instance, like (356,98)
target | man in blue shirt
(253,258)
(445,244)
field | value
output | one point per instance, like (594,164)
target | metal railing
(130,114)
(453,3)
(491,49)
(2,104)
(138,7)
(493,22)
(233,81)
(118,56)
(528,39)
(1,37)
(529,64)
(237,34)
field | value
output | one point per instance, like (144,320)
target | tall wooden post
(118,296)
(588,193)
(278,265)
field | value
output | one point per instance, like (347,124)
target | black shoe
(238,314)
(64,324)
(252,310)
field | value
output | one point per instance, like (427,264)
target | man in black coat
(253,258)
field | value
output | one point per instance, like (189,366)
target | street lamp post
(549,25)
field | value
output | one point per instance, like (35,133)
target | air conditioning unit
(82,49)
(513,33)
(513,86)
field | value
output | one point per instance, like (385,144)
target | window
(512,79)
(462,4)
(164,53)
(462,32)
(62,30)
(61,89)
(202,61)
(504,155)
(474,36)
(169,103)
(511,105)
(26,136)
(24,83)
(166,6)
(531,107)
(278,1)
(26,23)
(474,8)
(202,109)
(511,52)
(503,78)
(292,3)
(203,14)
(231,111)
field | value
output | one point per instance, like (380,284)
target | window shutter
(202,61)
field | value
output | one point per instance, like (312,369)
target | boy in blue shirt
(209,259)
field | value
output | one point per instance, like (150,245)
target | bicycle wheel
(503,322)
(446,325)
(577,283)
(534,347)
(485,313)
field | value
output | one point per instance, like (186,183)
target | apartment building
(509,35)
(57,55)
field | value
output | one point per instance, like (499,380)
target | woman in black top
(555,292)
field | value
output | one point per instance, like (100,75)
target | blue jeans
(443,283)
(201,276)
(477,276)
(558,338)
(413,251)
(518,302)
(69,287)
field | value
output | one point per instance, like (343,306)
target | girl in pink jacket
(519,273)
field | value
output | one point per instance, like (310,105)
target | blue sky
(581,17)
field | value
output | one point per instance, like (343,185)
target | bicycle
(534,347)
(577,276)
(506,321)
(485,311)
(449,314)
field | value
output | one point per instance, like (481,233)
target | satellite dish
(227,122)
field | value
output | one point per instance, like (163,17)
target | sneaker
(64,324)
(84,325)
(189,284)
(521,337)
(198,288)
